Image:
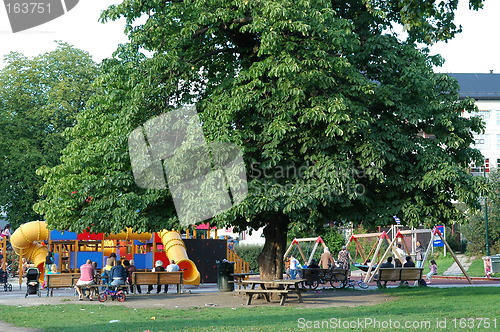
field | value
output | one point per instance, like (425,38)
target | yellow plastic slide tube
(176,250)
(25,243)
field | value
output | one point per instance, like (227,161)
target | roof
(478,86)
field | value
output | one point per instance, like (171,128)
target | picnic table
(239,277)
(282,287)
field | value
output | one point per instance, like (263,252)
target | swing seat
(363,267)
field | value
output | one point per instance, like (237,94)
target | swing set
(296,243)
(372,271)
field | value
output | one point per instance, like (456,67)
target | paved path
(454,269)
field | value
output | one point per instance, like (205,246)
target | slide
(176,250)
(25,242)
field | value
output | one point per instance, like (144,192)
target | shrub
(250,253)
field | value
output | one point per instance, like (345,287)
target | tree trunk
(271,258)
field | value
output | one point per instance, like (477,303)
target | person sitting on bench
(86,278)
(387,264)
(117,275)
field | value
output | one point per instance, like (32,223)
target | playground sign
(437,242)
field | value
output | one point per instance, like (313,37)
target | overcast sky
(475,50)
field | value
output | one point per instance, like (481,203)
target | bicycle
(360,283)
(115,295)
(314,278)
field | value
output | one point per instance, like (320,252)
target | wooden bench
(158,278)
(69,280)
(399,274)
(62,280)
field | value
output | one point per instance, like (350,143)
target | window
(484,168)
(485,115)
(480,139)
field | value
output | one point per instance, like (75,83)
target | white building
(485,90)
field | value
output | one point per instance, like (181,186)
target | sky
(79,27)
(475,50)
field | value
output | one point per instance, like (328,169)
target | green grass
(476,269)
(442,262)
(422,308)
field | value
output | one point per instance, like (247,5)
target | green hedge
(250,253)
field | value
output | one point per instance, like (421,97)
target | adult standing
(419,254)
(294,267)
(344,258)
(86,278)
(401,254)
(326,260)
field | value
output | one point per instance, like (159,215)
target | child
(433,271)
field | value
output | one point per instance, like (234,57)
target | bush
(250,253)
(334,240)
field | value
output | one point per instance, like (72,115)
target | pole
(486,225)
(486,219)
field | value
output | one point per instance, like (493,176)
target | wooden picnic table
(239,277)
(282,287)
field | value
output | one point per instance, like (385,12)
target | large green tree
(337,118)
(39,98)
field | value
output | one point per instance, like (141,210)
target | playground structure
(373,270)
(71,249)
(296,244)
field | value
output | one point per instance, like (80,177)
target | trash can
(224,275)
(495,264)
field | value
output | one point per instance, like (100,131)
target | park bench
(158,278)
(69,280)
(399,274)
(63,280)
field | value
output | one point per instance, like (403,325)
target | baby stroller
(32,283)
(4,279)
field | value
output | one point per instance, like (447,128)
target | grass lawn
(429,309)
(476,269)
(442,262)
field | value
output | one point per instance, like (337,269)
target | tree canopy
(337,118)
(39,98)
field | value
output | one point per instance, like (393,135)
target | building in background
(485,90)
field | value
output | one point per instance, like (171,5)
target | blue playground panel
(140,261)
(57,235)
(95,256)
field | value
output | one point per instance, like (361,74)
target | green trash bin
(225,270)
